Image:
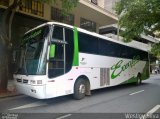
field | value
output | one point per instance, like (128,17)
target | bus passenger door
(57,60)
(56,65)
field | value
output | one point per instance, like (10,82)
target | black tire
(139,80)
(80,89)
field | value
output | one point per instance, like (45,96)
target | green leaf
(137,17)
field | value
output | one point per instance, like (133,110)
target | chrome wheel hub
(82,89)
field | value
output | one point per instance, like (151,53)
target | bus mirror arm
(57,41)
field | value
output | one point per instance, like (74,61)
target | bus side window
(123,51)
(69,37)
(88,43)
(58,33)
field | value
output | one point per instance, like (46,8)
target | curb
(9,95)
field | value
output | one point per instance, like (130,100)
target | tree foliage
(156,50)
(139,16)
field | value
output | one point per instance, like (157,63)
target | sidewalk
(11,90)
(155,75)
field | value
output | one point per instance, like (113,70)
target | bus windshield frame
(33,53)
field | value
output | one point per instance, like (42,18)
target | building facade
(89,14)
(143,42)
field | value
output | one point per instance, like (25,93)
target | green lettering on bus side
(114,68)
(76,48)
(118,68)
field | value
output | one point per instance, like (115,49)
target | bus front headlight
(33,82)
(39,81)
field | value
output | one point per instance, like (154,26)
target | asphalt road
(124,101)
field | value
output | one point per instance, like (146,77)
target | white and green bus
(58,59)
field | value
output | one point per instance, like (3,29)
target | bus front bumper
(36,91)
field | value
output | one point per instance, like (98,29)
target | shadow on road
(118,88)
(68,98)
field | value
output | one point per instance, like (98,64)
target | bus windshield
(34,52)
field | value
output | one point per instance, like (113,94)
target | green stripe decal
(76,49)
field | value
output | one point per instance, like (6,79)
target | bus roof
(85,31)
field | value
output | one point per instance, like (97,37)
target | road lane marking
(137,92)
(151,112)
(154,109)
(65,116)
(34,104)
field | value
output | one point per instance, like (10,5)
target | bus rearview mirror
(52,51)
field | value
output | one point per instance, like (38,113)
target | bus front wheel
(80,89)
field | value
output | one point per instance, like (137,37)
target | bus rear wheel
(80,89)
(139,80)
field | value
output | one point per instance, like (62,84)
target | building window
(94,2)
(57,15)
(88,25)
(33,7)
(4,2)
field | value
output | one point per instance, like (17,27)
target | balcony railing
(33,7)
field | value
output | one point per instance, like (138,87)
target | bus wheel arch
(81,87)
(139,79)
